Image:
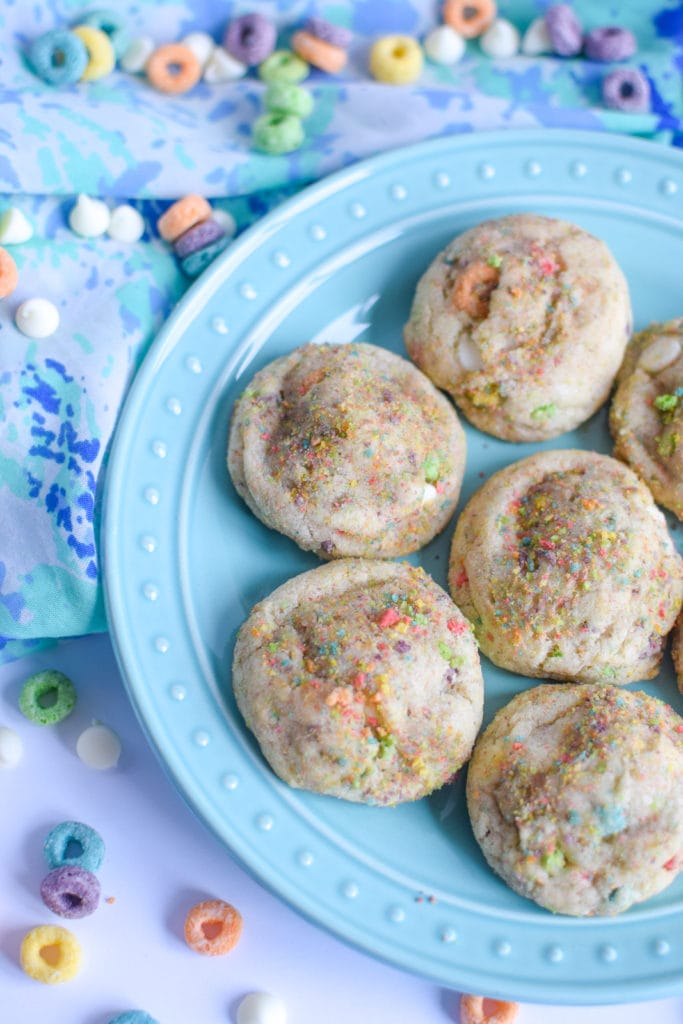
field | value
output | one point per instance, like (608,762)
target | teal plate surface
(185,560)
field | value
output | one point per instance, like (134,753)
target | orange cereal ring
(182,216)
(173,68)
(213,927)
(9,275)
(472,290)
(469,18)
(318,52)
(479,1010)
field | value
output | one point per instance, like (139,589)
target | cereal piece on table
(99,747)
(626,89)
(101,59)
(201,44)
(15,227)
(443,45)
(173,69)
(71,843)
(536,39)
(58,57)
(196,262)
(213,927)
(261,1008)
(182,215)
(283,98)
(37,318)
(126,224)
(197,237)
(609,43)
(113,25)
(396,60)
(337,35)
(50,954)
(469,18)
(283,66)
(317,52)
(564,30)
(277,133)
(223,67)
(133,1017)
(226,221)
(70,891)
(138,52)
(480,1010)
(89,217)
(501,39)
(9,275)
(250,38)
(11,747)
(47,697)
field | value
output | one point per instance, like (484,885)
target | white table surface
(160,860)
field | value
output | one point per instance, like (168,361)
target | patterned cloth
(59,398)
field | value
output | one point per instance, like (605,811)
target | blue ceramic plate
(185,560)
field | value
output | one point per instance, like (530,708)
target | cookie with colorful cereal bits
(396,60)
(564,30)
(565,566)
(319,53)
(469,18)
(283,66)
(283,98)
(613,42)
(101,59)
(277,133)
(194,264)
(133,1017)
(337,35)
(47,697)
(9,275)
(250,38)
(70,891)
(575,795)
(58,57)
(197,237)
(183,215)
(213,927)
(173,69)
(626,89)
(50,954)
(73,844)
(480,1010)
(113,25)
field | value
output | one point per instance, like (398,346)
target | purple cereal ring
(564,29)
(250,39)
(333,34)
(626,89)
(609,43)
(70,891)
(197,237)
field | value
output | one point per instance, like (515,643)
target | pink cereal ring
(182,216)
(9,275)
(173,68)
(213,927)
(318,52)
(479,1010)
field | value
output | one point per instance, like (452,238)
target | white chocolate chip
(89,217)
(226,220)
(536,39)
(429,494)
(261,1008)
(126,224)
(660,354)
(99,747)
(37,318)
(501,39)
(15,228)
(138,52)
(202,46)
(223,67)
(11,747)
(469,355)
(443,45)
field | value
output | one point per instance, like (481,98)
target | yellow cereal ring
(182,216)
(396,59)
(101,59)
(50,954)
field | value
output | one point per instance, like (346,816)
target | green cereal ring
(284,98)
(198,261)
(283,66)
(277,133)
(47,697)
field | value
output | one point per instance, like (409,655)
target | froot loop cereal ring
(469,18)
(173,69)
(205,233)
(250,38)
(183,215)
(283,66)
(70,891)
(609,43)
(213,927)
(334,34)
(50,954)
(9,275)
(479,1010)
(47,697)
(74,844)
(58,57)
(319,53)
(396,60)
(198,261)
(133,1017)
(113,26)
(283,98)
(277,133)
(564,29)
(473,287)
(626,89)
(101,59)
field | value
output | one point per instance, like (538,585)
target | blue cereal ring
(112,24)
(193,264)
(133,1017)
(58,57)
(61,836)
